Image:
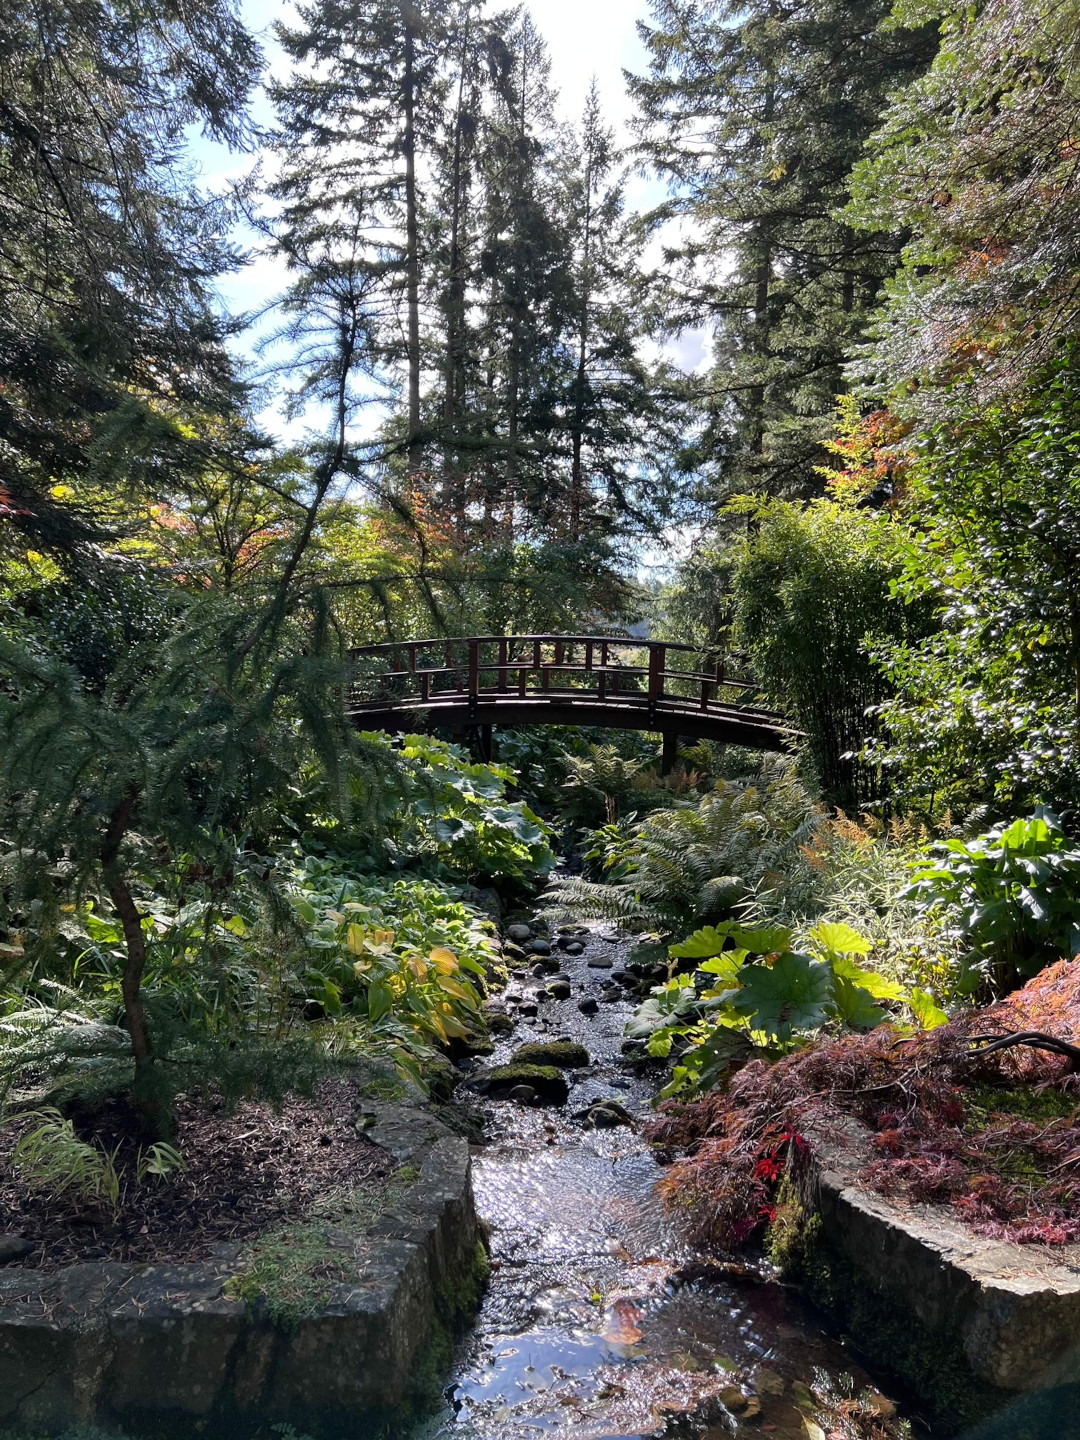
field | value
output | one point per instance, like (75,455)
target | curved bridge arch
(604,681)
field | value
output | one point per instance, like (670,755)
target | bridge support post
(486,743)
(670,752)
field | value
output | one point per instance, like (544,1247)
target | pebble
(14,1248)
(589,1006)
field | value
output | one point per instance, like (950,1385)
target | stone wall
(965,1319)
(163,1346)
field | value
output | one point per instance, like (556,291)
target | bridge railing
(616,669)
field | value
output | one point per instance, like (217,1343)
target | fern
(679,868)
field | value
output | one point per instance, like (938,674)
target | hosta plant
(751,994)
(1012,895)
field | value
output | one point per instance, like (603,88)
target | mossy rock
(563,1054)
(548,1081)
(498,1022)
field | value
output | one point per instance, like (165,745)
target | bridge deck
(602,681)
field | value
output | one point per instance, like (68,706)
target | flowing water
(601,1321)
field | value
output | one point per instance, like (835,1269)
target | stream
(600,1320)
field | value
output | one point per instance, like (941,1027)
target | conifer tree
(356,118)
(110,347)
(614,432)
(756,113)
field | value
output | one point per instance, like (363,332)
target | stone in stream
(560,990)
(523,1095)
(541,947)
(528,1008)
(566,1054)
(606,1115)
(575,947)
(589,1006)
(498,1022)
(14,1248)
(519,933)
(548,1082)
(600,962)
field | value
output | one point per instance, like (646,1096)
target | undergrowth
(944,1124)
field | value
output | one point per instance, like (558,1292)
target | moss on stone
(563,1054)
(931,1362)
(291,1271)
(548,1082)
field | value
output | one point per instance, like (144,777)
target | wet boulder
(520,934)
(548,1082)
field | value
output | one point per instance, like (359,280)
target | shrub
(455,811)
(813,588)
(679,868)
(1012,895)
(751,995)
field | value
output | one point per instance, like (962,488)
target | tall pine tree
(756,113)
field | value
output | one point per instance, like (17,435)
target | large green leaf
(770,940)
(794,994)
(841,939)
(675,1003)
(855,1006)
(926,1009)
(877,985)
(703,944)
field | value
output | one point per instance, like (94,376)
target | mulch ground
(245,1171)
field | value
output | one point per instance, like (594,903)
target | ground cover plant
(993,1136)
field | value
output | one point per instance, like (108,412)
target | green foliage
(1012,895)
(50,1157)
(741,111)
(694,863)
(974,160)
(813,595)
(752,995)
(987,706)
(456,811)
(405,959)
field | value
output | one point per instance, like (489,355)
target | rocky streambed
(600,1320)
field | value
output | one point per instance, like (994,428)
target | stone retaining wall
(163,1346)
(1009,1314)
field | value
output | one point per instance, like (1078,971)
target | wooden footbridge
(613,683)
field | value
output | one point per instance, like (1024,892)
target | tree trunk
(148,1104)
(455,294)
(412,248)
(577,477)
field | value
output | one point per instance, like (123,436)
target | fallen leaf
(623,1323)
